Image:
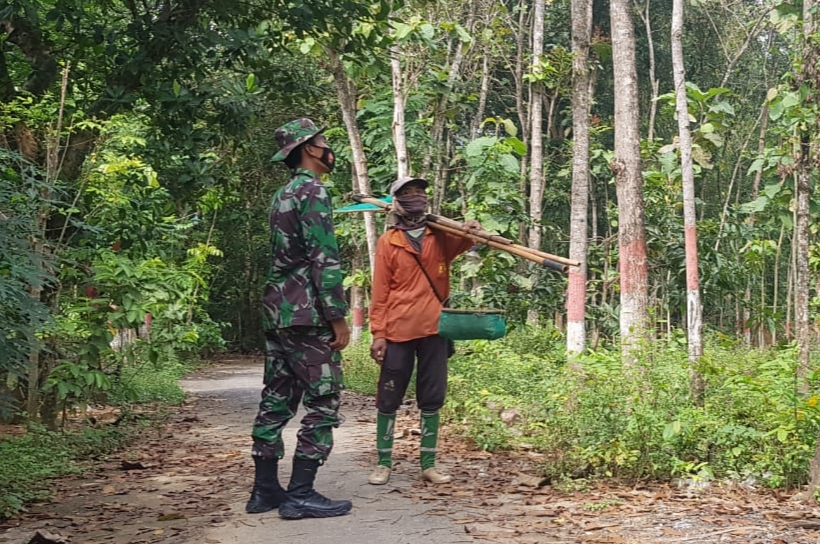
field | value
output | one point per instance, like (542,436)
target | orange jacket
(403,306)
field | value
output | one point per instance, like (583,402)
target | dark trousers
(431,375)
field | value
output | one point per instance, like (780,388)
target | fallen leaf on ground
(528,480)
(170,517)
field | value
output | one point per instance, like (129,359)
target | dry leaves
(501,498)
(181,478)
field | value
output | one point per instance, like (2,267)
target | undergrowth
(29,461)
(596,418)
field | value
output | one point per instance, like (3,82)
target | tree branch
(29,39)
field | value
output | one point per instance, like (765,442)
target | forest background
(678,167)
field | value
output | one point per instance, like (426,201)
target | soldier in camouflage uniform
(305,329)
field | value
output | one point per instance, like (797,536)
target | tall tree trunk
(628,181)
(399,104)
(653,80)
(694,309)
(776,288)
(536,122)
(536,137)
(810,59)
(521,106)
(802,197)
(579,241)
(345,89)
(482,94)
(39,367)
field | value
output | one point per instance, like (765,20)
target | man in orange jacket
(411,283)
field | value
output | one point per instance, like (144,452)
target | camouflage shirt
(304,286)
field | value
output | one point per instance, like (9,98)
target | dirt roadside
(187,482)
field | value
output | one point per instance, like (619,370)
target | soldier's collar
(304,172)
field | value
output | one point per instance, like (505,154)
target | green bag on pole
(472,324)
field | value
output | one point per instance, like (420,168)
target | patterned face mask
(413,205)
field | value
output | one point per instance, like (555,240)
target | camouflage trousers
(299,365)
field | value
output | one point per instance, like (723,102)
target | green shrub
(598,418)
(361,373)
(28,461)
(146,382)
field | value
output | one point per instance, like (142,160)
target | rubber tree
(579,240)
(626,166)
(694,308)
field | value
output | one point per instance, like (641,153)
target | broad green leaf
(671,429)
(478,146)
(756,206)
(668,148)
(716,139)
(790,100)
(427,30)
(518,147)
(401,30)
(463,35)
(307,45)
(509,164)
(772,190)
(776,111)
(510,128)
(722,107)
(757,165)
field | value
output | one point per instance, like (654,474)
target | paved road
(381,515)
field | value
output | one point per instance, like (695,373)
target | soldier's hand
(377,349)
(341,334)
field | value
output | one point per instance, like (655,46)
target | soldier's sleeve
(322,251)
(378,292)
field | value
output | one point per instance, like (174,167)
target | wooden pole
(493,240)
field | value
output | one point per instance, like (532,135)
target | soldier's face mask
(328,158)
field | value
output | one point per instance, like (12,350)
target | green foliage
(29,461)
(145,382)
(361,373)
(597,418)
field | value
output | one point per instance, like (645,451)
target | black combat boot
(267,494)
(303,501)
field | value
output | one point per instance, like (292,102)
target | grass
(29,461)
(599,419)
(146,383)
(361,373)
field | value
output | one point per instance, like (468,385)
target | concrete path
(380,515)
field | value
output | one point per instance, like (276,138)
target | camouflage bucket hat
(292,134)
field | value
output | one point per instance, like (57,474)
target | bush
(361,373)
(146,382)
(597,418)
